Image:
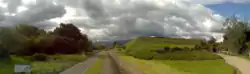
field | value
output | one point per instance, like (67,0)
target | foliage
(36,44)
(115,44)
(73,57)
(155,48)
(40,57)
(145,54)
(184,55)
(4,54)
(235,37)
(10,40)
(100,46)
(28,40)
(174,54)
(68,39)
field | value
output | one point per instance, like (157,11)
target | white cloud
(28,12)
(119,19)
(218,1)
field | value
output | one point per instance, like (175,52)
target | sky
(229,9)
(124,19)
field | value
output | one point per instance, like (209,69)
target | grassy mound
(154,43)
(177,49)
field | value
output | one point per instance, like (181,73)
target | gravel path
(109,65)
(242,64)
(81,67)
(124,67)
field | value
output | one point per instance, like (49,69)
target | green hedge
(180,55)
(184,55)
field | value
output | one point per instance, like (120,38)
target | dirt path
(109,65)
(124,67)
(81,67)
(242,64)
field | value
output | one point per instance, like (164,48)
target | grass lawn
(56,64)
(96,67)
(151,67)
(201,67)
(180,67)
(7,67)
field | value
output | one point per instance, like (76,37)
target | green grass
(155,43)
(180,67)
(151,67)
(201,67)
(55,64)
(146,47)
(149,43)
(96,67)
(49,67)
(7,66)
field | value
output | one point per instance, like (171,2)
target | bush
(177,55)
(161,51)
(184,55)
(4,54)
(143,54)
(75,57)
(40,57)
(176,49)
(167,48)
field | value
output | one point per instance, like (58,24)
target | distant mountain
(110,43)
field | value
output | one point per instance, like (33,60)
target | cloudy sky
(124,19)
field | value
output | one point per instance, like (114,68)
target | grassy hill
(142,52)
(179,49)
(156,43)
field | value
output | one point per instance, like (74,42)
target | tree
(68,39)
(10,41)
(235,37)
(70,31)
(212,40)
(33,37)
(29,31)
(115,44)
(100,46)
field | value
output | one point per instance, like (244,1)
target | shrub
(176,49)
(40,57)
(167,48)
(74,57)
(186,48)
(161,51)
(143,54)
(184,55)
(4,54)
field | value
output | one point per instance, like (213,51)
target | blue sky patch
(229,9)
